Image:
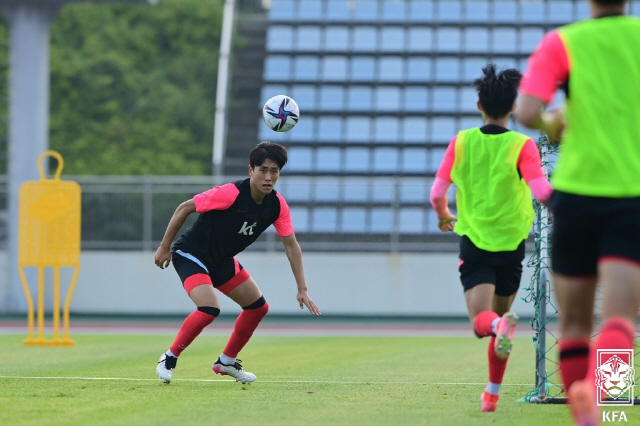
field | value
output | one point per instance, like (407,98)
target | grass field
(110,380)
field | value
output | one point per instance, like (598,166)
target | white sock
(494,325)
(227,360)
(169,353)
(493,388)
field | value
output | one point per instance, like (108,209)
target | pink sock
(574,360)
(191,328)
(482,323)
(497,366)
(246,324)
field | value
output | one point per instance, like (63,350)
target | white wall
(128,282)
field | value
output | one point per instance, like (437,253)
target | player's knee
(259,306)
(210,310)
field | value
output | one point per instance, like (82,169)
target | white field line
(330,382)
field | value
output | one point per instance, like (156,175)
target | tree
(133,87)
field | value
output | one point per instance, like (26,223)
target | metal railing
(328,213)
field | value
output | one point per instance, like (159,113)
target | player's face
(264,176)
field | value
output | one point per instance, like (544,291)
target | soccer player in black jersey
(232,217)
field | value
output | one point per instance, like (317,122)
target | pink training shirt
(547,69)
(222,197)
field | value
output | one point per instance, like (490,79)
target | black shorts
(225,274)
(588,229)
(502,268)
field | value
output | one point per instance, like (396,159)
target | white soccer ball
(280,113)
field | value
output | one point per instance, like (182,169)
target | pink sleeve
(541,189)
(438,197)
(444,172)
(283,224)
(218,198)
(547,69)
(530,167)
(529,162)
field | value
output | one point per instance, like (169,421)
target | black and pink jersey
(230,220)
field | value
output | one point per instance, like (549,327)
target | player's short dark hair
(613,2)
(497,91)
(267,150)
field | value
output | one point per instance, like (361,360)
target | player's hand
(163,257)
(554,124)
(305,300)
(446,223)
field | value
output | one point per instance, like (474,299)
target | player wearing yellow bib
(496,170)
(596,205)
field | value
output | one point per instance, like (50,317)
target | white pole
(28,118)
(219,128)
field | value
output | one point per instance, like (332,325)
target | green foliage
(133,87)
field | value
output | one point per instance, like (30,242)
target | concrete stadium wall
(371,284)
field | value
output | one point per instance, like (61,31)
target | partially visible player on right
(596,202)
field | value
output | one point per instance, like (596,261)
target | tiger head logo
(615,377)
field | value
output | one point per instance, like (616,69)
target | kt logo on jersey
(246,228)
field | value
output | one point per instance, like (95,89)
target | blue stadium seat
(413,160)
(365,39)
(415,99)
(328,160)
(366,10)
(308,38)
(358,129)
(420,39)
(306,68)
(359,98)
(310,10)
(353,220)
(391,69)
(279,38)
(324,220)
(386,129)
(332,98)
(336,38)
(300,219)
(414,130)
(334,68)
(385,160)
(338,10)
(277,68)
(477,11)
(362,69)
(330,129)
(381,220)
(393,11)
(412,221)
(392,39)
(420,11)
(387,98)
(356,160)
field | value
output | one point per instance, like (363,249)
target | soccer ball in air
(280,113)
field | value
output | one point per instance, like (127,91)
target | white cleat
(165,368)
(234,370)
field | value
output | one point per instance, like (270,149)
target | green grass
(306,381)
